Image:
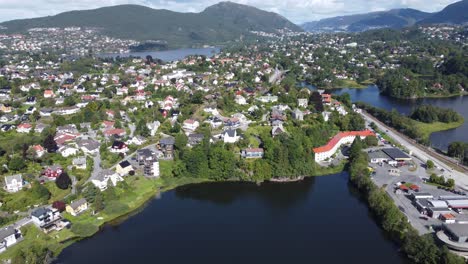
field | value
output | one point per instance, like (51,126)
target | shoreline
(57,245)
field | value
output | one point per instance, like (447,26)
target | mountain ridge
(222,22)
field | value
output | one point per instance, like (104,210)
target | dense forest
(419,77)
(430,114)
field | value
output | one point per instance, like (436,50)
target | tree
(99,202)
(59,205)
(16,164)
(63,181)
(50,144)
(90,193)
(430,164)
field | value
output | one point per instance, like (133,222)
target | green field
(428,128)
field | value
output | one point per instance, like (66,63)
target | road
(461,179)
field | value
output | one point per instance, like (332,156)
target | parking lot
(408,175)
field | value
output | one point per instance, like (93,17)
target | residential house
(114,132)
(88,146)
(24,128)
(151,168)
(277,130)
(102,180)
(166,145)
(326,99)
(268,99)
(298,114)
(252,153)
(230,136)
(53,171)
(45,111)
(77,207)
(14,183)
(215,122)
(194,139)
(39,127)
(39,150)
(6,108)
(67,151)
(124,168)
(30,100)
(49,93)
(144,155)
(240,100)
(118,147)
(136,140)
(302,102)
(8,237)
(80,163)
(191,124)
(43,216)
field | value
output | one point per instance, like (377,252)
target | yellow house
(76,207)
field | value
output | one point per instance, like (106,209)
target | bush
(84,230)
(63,181)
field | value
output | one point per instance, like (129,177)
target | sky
(298,11)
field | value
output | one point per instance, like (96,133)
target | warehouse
(396,154)
(415,196)
(438,204)
(458,204)
(378,156)
(435,212)
(457,232)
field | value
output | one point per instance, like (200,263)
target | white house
(268,99)
(14,183)
(103,178)
(67,151)
(79,163)
(240,100)
(191,124)
(302,102)
(230,136)
(8,237)
(43,216)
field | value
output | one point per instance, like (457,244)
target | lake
(167,55)
(318,220)
(440,140)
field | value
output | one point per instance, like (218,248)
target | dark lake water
(318,220)
(440,140)
(167,55)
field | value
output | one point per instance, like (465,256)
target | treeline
(431,114)
(418,77)
(419,249)
(459,150)
(396,120)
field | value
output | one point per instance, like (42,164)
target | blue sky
(297,11)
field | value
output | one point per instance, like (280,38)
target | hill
(456,13)
(395,18)
(219,23)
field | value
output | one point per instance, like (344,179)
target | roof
(341,135)
(396,154)
(39,212)
(457,203)
(124,164)
(460,230)
(378,154)
(6,232)
(78,203)
(167,141)
(448,216)
(230,133)
(17,177)
(438,203)
(254,150)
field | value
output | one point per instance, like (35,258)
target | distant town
(86,139)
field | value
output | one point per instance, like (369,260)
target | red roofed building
(324,152)
(114,132)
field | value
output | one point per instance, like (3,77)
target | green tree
(430,164)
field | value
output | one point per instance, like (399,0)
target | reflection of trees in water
(225,193)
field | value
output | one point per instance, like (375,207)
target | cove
(317,220)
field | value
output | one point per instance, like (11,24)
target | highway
(461,179)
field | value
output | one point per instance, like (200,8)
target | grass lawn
(56,194)
(428,128)
(165,167)
(321,171)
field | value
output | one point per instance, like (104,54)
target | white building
(325,152)
(14,183)
(103,178)
(230,136)
(191,124)
(8,237)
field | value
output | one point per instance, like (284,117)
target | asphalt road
(461,179)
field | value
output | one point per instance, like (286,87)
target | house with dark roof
(194,139)
(8,237)
(230,136)
(118,147)
(166,145)
(124,168)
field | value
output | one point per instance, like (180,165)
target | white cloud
(296,10)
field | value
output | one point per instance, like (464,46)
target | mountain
(395,18)
(456,13)
(219,23)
